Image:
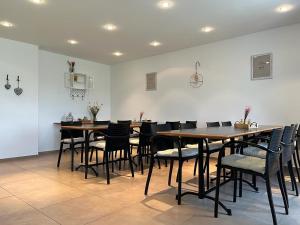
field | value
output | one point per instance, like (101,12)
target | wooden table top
(217,132)
(93,127)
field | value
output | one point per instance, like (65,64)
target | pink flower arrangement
(247,111)
(141,115)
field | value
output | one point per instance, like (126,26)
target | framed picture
(151,81)
(261,66)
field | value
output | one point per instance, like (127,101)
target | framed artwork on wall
(261,66)
(151,81)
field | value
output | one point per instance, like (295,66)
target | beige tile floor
(34,192)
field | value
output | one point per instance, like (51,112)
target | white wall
(55,100)
(227,86)
(19,124)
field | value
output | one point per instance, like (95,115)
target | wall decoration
(196,80)
(261,66)
(79,84)
(18,90)
(71,66)
(151,81)
(7,85)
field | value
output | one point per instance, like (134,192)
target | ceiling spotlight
(165,4)
(109,27)
(117,53)
(38,2)
(155,43)
(284,8)
(207,29)
(6,24)
(73,42)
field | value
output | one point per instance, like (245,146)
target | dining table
(88,129)
(211,133)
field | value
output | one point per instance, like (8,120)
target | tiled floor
(34,192)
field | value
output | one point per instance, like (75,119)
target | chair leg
(170,172)
(241,185)
(97,160)
(254,181)
(112,164)
(269,191)
(166,163)
(195,166)
(283,183)
(91,155)
(158,162)
(120,162)
(106,156)
(234,173)
(217,191)
(59,154)
(296,166)
(180,162)
(292,175)
(140,153)
(72,157)
(279,178)
(207,171)
(298,158)
(81,153)
(149,174)
(130,161)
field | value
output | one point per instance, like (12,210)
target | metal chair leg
(269,191)
(279,178)
(235,185)
(217,192)
(149,175)
(59,154)
(106,156)
(170,172)
(179,182)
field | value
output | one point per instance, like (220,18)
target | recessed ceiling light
(38,2)
(5,23)
(73,42)
(117,53)
(284,8)
(207,29)
(155,43)
(165,4)
(110,27)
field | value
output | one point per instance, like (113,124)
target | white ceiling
(140,22)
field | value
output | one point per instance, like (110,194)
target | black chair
(115,139)
(193,122)
(210,147)
(295,151)
(143,142)
(71,138)
(264,168)
(297,148)
(226,124)
(213,124)
(98,136)
(175,125)
(163,147)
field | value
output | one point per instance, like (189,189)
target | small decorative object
(141,116)
(261,66)
(71,66)
(196,80)
(7,85)
(243,123)
(151,81)
(18,90)
(94,110)
(69,117)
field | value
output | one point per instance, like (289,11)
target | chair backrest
(147,130)
(124,121)
(287,144)
(161,143)
(213,124)
(273,156)
(117,136)
(175,125)
(187,126)
(226,124)
(192,122)
(71,133)
(294,136)
(102,122)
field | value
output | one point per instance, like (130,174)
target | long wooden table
(222,133)
(86,128)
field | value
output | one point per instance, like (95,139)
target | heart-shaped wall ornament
(18,91)
(7,85)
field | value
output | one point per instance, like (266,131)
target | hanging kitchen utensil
(7,85)
(18,90)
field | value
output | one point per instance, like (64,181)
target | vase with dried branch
(94,109)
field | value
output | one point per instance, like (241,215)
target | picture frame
(261,66)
